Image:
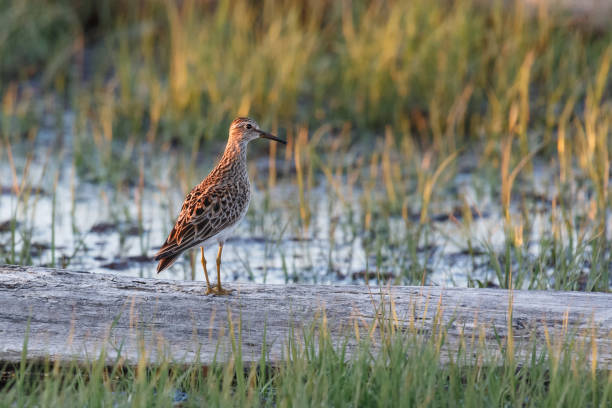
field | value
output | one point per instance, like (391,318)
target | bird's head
(243,130)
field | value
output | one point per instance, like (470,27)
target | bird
(213,208)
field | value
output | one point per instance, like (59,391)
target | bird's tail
(166,262)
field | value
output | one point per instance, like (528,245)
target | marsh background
(437,142)
(457,143)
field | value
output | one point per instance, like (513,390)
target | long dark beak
(267,135)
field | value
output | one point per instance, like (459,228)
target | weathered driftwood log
(74,315)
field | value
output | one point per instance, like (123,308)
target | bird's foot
(218,291)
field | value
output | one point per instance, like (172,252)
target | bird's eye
(249,126)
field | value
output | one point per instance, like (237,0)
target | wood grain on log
(73,315)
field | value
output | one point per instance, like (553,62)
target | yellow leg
(219,267)
(205,271)
(220,290)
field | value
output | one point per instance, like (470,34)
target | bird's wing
(205,212)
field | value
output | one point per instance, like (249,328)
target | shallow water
(94,226)
(89,235)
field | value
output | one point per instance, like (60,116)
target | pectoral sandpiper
(215,206)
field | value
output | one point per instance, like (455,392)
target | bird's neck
(234,158)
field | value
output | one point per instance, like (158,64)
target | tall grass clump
(443,71)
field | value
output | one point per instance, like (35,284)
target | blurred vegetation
(440,71)
(383,103)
